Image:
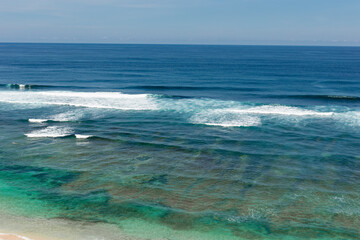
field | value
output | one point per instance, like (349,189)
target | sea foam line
(12,236)
(106,100)
(197,111)
(280,110)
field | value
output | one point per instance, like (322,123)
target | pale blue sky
(308,22)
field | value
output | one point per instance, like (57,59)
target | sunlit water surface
(183,142)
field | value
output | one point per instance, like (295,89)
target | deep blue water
(222,142)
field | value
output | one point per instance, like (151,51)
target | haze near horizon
(273,22)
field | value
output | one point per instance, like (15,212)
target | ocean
(183,141)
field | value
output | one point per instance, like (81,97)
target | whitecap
(67,116)
(247,116)
(281,110)
(51,132)
(37,120)
(106,100)
(81,136)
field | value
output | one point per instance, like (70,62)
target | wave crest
(107,100)
(51,131)
(282,110)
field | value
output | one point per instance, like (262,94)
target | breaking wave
(37,120)
(281,110)
(194,110)
(51,131)
(25,86)
(82,136)
(225,119)
(107,100)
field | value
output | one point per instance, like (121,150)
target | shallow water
(183,142)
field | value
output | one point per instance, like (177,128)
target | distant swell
(325,97)
(191,88)
(19,86)
(25,86)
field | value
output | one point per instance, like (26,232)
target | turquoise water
(183,142)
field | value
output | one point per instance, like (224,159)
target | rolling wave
(325,97)
(191,88)
(106,100)
(281,110)
(38,120)
(82,136)
(51,131)
(56,132)
(194,110)
(20,86)
(252,116)
(69,116)
(25,86)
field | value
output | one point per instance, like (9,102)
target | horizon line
(183,44)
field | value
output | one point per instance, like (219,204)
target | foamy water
(105,100)
(199,111)
(82,136)
(35,120)
(51,131)
(281,110)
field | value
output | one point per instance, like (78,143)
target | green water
(183,142)
(40,185)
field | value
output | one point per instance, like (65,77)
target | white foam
(51,131)
(234,123)
(281,110)
(67,116)
(199,111)
(61,117)
(349,118)
(34,120)
(225,119)
(81,136)
(107,100)
(247,116)
(12,235)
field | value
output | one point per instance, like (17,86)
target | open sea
(183,142)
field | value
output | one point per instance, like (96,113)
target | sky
(273,22)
